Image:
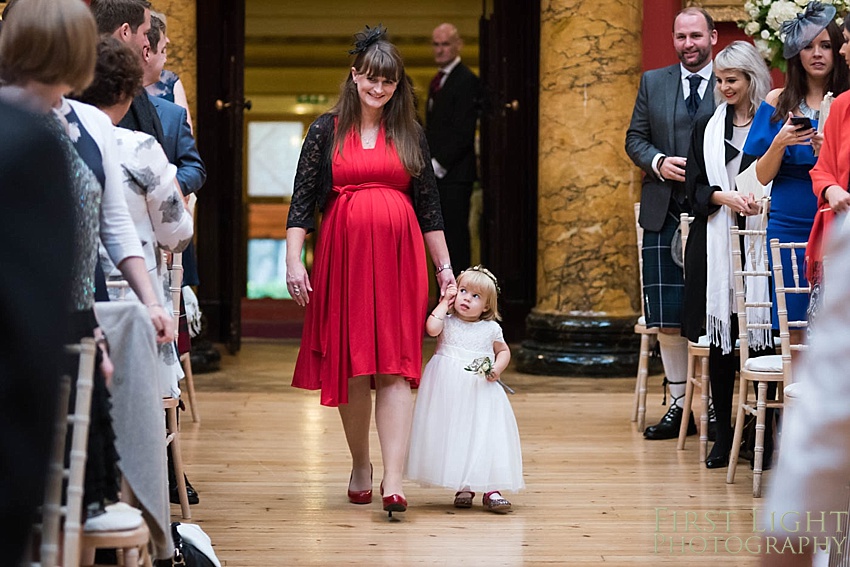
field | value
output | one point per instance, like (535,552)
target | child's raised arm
(503,358)
(434,323)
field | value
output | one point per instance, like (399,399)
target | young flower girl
(464,433)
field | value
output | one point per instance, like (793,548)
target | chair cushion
(768,363)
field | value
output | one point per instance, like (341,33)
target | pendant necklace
(370,136)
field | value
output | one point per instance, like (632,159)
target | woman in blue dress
(786,151)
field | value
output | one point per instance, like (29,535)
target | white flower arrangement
(765,23)
(74,131)
(483,366)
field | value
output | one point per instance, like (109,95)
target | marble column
(182,51)
(587,280)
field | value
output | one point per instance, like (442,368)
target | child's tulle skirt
(464,431)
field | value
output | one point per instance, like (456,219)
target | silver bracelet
(443,267)
(435,317)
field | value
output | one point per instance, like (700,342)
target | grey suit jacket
(653,130)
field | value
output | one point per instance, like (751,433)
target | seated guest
(47,48)
(34,294)
(150,184)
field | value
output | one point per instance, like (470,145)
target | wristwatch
(439,269)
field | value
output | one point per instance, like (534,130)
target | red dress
(370,284)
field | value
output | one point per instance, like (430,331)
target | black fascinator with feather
(364,39)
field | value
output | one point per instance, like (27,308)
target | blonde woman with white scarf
(715,158)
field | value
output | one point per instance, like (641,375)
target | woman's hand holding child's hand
(451,294)
(445,278)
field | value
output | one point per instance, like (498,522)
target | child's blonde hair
(484,282)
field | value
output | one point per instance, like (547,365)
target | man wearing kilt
(669,101)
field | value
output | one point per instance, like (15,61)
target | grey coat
(660,124)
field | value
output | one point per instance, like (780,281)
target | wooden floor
(271,467)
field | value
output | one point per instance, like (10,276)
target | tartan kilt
(663,280)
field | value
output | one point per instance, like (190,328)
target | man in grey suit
(669,101)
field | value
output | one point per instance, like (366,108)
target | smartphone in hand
(802,122)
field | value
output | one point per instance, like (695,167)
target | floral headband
(802,30)
(366,38)
(486,272)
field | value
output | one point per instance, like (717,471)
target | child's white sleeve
(498,336)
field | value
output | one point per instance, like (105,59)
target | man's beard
(704,56)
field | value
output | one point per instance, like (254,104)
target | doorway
(294,57)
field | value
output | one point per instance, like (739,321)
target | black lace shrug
(314,180)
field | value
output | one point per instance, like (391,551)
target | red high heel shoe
(360,496)
(393,502)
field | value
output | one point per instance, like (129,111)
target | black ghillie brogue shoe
(668,427)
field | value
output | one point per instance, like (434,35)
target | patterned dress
(162,223)
(164,88)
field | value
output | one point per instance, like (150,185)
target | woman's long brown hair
(796,80)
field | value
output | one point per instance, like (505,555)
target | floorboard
(271,466)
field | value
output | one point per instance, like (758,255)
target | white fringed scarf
(719,291)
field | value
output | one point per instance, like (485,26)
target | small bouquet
(483,366)
(765,24)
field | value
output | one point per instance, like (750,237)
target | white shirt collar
(706,73)
(450,67)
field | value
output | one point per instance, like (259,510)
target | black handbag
(185,553)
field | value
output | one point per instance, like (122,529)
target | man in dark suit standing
(36,228)
(669,101)
(450,121)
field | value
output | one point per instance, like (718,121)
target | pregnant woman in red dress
(367,167)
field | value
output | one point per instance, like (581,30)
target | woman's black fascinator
(364,39)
